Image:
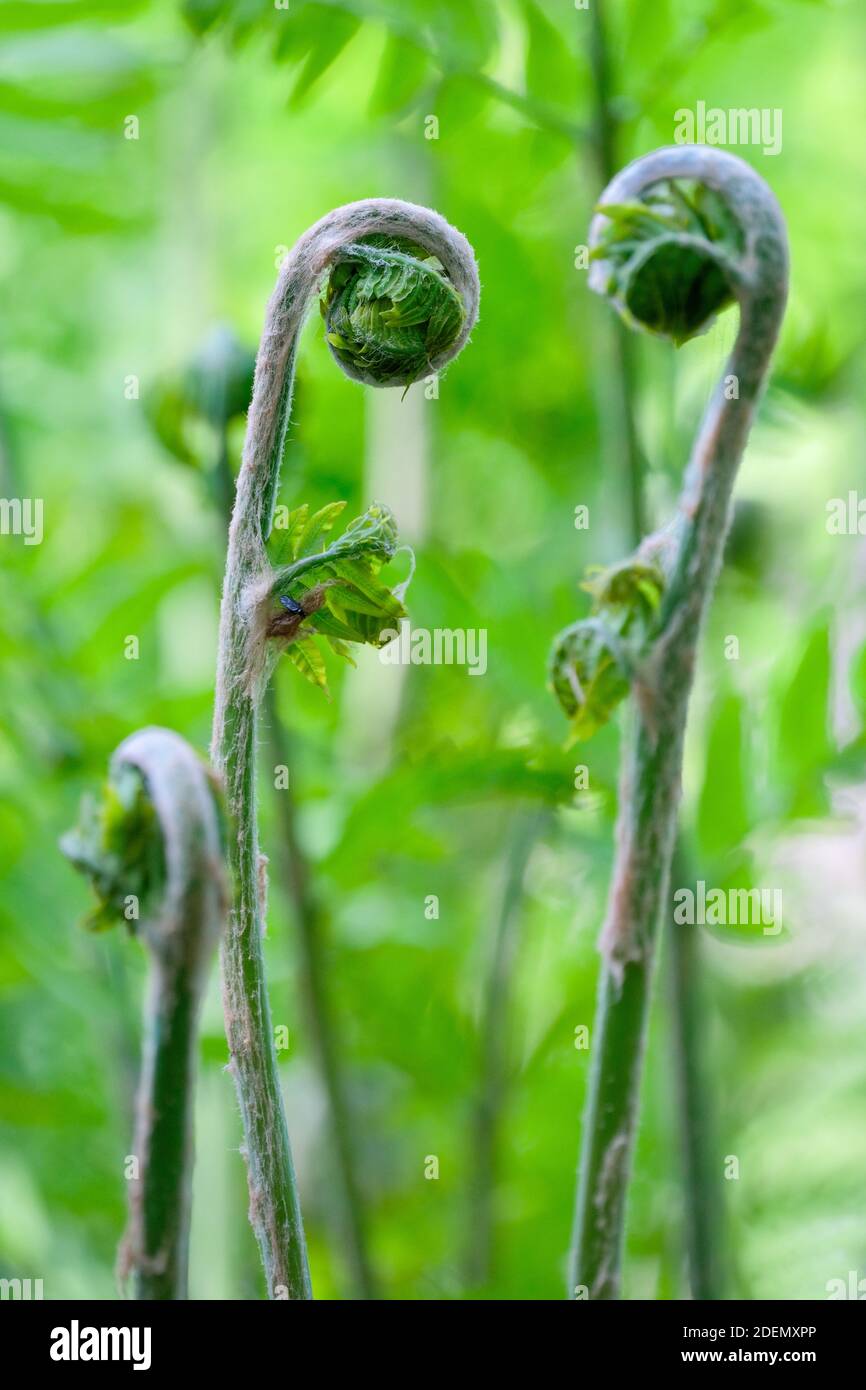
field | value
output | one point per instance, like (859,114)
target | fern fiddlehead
(678,236)
(394,271)
(153,850)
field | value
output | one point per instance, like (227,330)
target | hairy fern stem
(702,1203)
(154,851)
(678,235)
(381,267)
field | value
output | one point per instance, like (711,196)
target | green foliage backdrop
(118,256)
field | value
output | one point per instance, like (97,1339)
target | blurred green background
(454,1033)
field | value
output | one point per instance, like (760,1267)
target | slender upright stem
(242,673)
(650,780)
(181,934)
(310,924)
(701,1189)
(493,1072)
(297,879)
(274,1211)
(163,1144)
(622,391)
(702,1217)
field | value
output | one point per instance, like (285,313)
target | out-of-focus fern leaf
(403,70)
(202,15)
(551,72)
(22,16)
(312,39)
(167,410)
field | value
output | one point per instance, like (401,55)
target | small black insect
(287,624)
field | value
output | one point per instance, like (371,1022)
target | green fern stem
(401,314)
(679,235)
(156,843)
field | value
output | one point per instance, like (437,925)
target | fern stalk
(297,879)
(358,278)
(297,875)
(529,828)
(621,398)
(679,234)
(702,1206)
(157,843)
(703,1216)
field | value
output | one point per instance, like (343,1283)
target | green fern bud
(593,662)
(118,846)
(587,676)
(390,311)
(154,850)
(667,258)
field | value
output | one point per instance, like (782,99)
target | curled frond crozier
(593,662)
(390,311)
(679,234)
(153,850)
(677,238)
